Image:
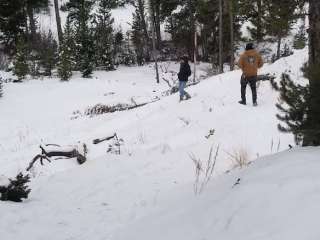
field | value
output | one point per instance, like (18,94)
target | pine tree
(66,53)
(12,23)
(301,112)
(294,111)
(16,190)
(300,39)
(279,20)
(48,53)
(20,62)
(137,37)
(80,15)
(254,11)
(103,35)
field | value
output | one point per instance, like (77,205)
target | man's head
(184,59)
(249,46)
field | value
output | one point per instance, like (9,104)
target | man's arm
(240,62)
(260,61)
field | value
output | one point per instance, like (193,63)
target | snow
(147,191)
(275,200)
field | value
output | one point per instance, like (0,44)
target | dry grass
(239,158)
(204,170)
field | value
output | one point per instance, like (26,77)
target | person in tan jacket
(250,61)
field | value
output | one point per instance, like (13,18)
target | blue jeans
(182,85)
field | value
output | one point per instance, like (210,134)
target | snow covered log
(50,150)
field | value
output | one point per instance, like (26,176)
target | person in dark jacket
(183,75)
(250,61)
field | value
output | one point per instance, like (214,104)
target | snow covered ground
(147,191)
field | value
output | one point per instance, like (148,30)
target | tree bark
(259,21)
(58,20)
(279,47)
(314,32)
(231,35)
(158,24)
(141,8)
(312,135)
(154,52)
(220,38)
(32,23)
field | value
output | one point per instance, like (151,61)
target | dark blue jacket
(184,72)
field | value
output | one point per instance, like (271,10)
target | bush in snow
(16,189)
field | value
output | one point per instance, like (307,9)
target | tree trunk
(231,35)
(314,32)
(141,8)
(195,54)
(220,38)
(259,21)
(312,135)
(279,47)
(157,24)
(58,20)
(154,52)
(32,23)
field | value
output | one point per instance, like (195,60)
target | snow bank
(277,199)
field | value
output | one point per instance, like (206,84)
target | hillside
(147,184)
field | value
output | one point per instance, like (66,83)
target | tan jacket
(250,61)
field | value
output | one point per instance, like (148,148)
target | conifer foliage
(16,190)
(66,51)
(294,102)
(21,68)
(80,15)
(103,35)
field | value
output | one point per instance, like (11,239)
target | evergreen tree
(254,11)
(118,42)
(66,53)
(137,37)
(16,190)
(294,111)
(48,53)
(20,62)
(280,17)
(12,23)
(103,35)
(300,39)
(301,112)
(80,15)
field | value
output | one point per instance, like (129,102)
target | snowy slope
(276,199)
(99,199)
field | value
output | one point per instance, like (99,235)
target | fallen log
(100,140)
(265,77)
(51,150)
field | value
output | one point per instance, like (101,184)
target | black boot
(242,102)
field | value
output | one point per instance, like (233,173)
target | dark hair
(249,46)
(184,58)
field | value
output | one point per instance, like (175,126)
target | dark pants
(252,81)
